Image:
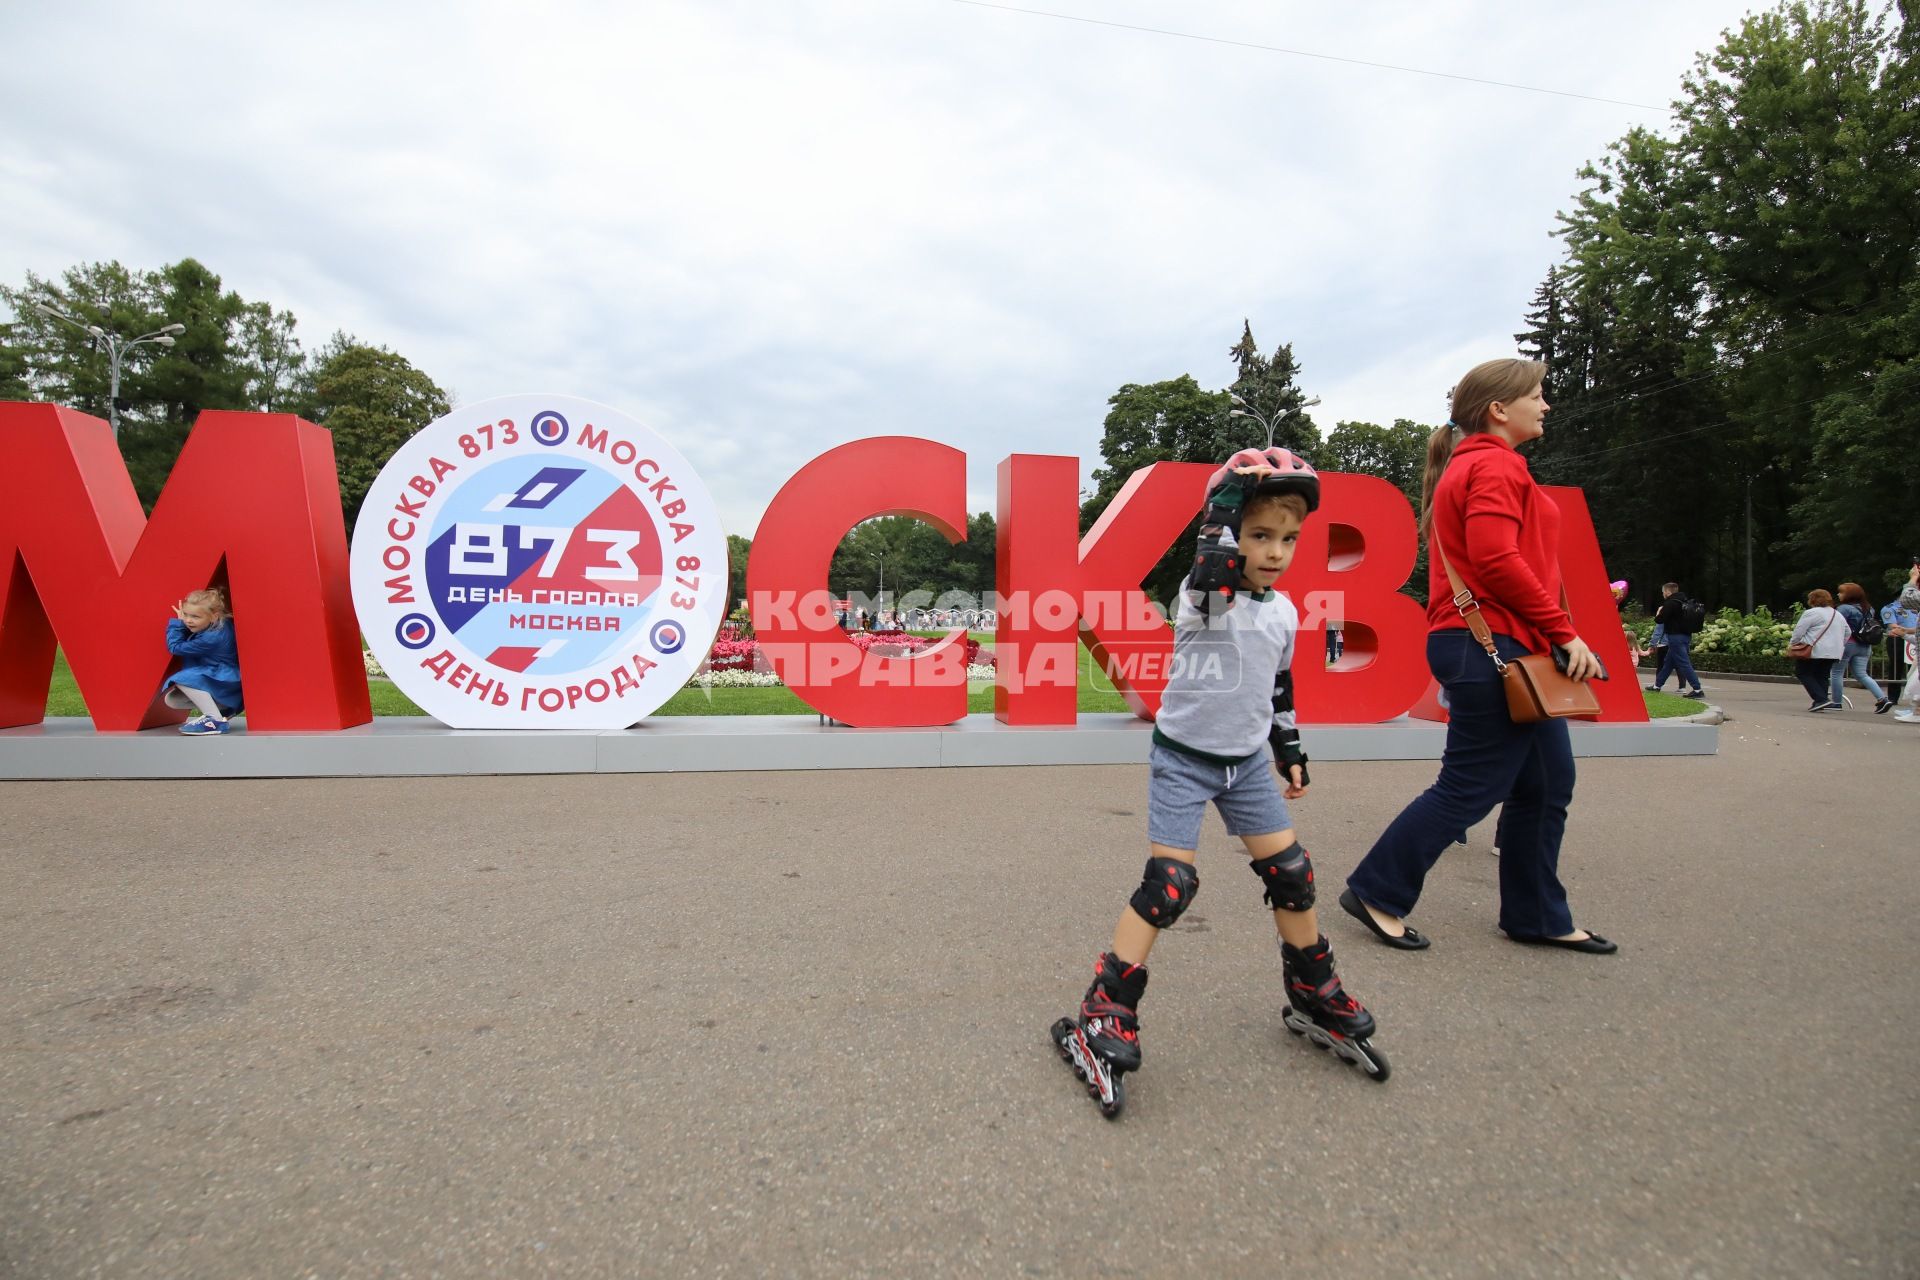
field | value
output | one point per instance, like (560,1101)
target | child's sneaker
(203,725)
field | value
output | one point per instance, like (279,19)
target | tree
(972,567)
(200,371)
(1734,316)
(65,365)
(270,357)
(1397,454)
(14,368)
(1173,421)
(1267,387)
(860,562)
(1863,453)
(1178,421)
(232,354)
(373,401)
(739,551)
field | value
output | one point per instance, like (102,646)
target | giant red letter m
(81,566)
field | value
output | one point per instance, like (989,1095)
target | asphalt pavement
(794,1024)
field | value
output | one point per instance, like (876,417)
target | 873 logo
(538,562)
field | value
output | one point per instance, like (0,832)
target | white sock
(203,700)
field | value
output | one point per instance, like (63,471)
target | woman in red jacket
(1488,519)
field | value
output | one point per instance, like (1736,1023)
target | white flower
(734,680)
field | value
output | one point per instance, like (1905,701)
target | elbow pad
(1282,692)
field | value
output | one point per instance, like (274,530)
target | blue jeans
(1679,662)
(1855,664)
(1527,769)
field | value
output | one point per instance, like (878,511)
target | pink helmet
(1290,473)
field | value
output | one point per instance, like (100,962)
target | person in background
(1901,623)
(1910,601)
(1854,613)
(1619,589)
(208,683)
(1679,632)
(1825,636)
(1638,654)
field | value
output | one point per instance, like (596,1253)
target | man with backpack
(1680,617)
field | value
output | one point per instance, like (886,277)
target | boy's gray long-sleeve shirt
(1219,699)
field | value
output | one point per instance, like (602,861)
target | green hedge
(1755,664)
(1746,664)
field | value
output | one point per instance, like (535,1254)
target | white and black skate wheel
(1373,1062)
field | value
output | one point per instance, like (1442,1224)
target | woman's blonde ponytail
(1486,384)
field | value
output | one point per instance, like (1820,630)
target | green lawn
(1096,693)
(1664,706)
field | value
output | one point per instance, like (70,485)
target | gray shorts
(1179,786)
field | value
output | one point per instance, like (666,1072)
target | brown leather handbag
(1536,688)
(1803,651)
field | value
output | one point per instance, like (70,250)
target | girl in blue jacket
(201,633)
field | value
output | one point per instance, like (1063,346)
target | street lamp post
(1750,479)
(117,349)
(1242,409)
(1749,544)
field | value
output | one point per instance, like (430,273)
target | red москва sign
(256,495)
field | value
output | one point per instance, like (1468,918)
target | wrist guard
(1288,752)
(1218,563)
(1216,571)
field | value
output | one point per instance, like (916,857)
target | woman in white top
(1821,627)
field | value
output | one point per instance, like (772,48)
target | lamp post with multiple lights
(117,349)
(1242,409)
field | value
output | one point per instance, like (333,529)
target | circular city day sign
(538,562)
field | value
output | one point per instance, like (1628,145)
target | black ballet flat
(1411,940)
(1593,944)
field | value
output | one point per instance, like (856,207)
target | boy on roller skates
(1228,700)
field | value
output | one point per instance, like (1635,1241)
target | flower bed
(733,653)
(767,679)
(1753,644)
(1731,633)
(1757,635)
(735,661)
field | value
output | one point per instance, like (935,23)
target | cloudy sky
(765,227)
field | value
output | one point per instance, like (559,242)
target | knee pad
(1166,888)
(1288,876)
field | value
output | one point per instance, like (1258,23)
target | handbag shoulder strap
(1469,608)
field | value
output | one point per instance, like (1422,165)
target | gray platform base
(403,746)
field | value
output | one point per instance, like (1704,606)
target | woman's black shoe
(1411,940)
(1592,944)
